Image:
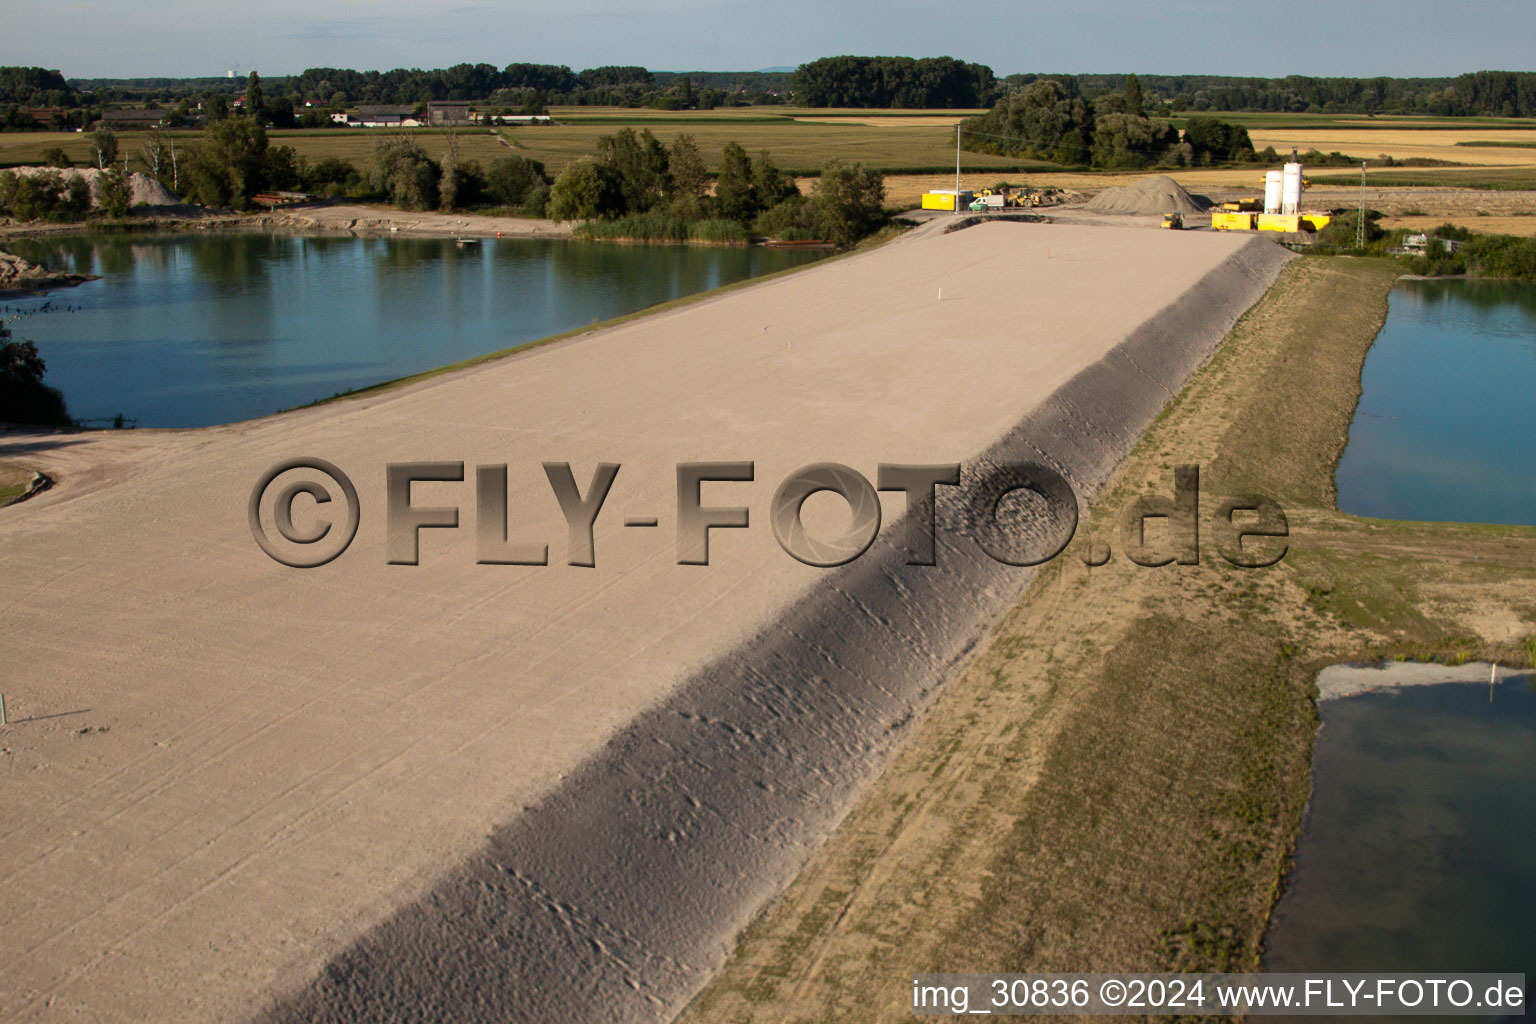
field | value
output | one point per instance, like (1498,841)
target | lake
(193,330)
(1446,426)
(1418,852)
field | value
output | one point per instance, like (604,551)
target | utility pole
(1360,223)
(957,169)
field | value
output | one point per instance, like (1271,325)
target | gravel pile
(144,189)
(1158,194)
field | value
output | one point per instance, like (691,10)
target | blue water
(186,331)
(1446,427)
(1418,853)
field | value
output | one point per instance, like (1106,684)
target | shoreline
(1117,781)
(361,220)
(319,707)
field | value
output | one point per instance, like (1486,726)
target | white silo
(1290,190)
(1272,187)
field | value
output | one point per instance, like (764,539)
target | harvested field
(1403,144)
(236,774)
(1493,225)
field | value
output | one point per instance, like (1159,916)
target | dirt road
(516,792)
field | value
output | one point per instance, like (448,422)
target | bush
(23,395)
(463,185)
(791,215)
(513,180)
(332,177)
(584,190)
(44,196)
(56,157)
(537,202)
(114,193)
(849,202)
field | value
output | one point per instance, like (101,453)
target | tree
(1133,99)
(1212,140)
(512,180)
(155,153)
(734,199)
(770,186)
(229,165)
(690,179)
(463,185)
(1125,140)
(104,143)
(639,164)
(255,99)
(404,172)
(849,202)
(1033,122)
(584,190)
(113,192)
(23,395)
(56,157)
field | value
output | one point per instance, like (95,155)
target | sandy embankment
(1337,681)
(572,785)
(377,220)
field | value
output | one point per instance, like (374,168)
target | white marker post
(1492,673)
(2,709)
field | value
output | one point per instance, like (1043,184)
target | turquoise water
(1418,853)
(1446,427)
(187,331)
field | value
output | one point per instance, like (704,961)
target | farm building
(119,120)
(384,117)
(441,113)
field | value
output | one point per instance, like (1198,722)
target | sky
(187,38)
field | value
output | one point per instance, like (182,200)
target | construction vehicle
(1173,221)
(1002,199)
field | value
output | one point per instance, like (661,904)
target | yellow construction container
(1223,220)
(1227,221)
(941,199)
(1279,222)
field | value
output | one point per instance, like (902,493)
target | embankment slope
(475,792)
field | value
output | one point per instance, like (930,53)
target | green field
(893,141)
(797,147)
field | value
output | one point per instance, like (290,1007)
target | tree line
(1050,120)
(517,86)
(636,188)
(897,82)
(1485,93)
(831,81)
(632,175)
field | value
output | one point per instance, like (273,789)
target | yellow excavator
(1173,221)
